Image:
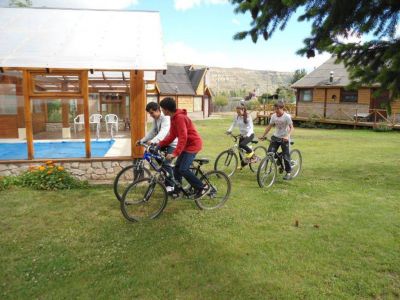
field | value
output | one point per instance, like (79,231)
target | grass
(76,244)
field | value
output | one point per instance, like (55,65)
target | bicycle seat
(254,142)
(202,161)
(291,143)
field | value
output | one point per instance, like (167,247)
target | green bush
(50,177)
(383,128)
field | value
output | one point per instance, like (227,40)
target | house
(323,94)
(188,86)
(73,87)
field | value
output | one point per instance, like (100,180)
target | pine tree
(375,61)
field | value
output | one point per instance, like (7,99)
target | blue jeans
(182,168)
(168,168)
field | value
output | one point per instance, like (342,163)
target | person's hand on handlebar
(262,138)
(170,156)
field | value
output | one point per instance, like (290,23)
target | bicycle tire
(267,166)
(229,159)
(262,152)
(118,188)
(298,162)
(220,185)
(142,194)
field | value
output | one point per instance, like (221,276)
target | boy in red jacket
(189,144)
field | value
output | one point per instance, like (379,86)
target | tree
(298,74)
(220,101)
(20,3)
(374,61)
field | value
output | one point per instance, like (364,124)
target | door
(380,102)
(206,107)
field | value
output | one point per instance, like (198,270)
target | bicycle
(227,161)
(146,198)
(274,163)
(128,175)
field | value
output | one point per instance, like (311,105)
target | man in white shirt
(160,129)
(281,138)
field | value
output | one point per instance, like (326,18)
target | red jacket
(183,128)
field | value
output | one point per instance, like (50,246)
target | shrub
(50,177)
(383,128)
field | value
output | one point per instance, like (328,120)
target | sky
(201,32)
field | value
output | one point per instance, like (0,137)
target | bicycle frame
(236,148)
(150,157)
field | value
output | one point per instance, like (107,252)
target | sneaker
(169,189)
(287,176)
(201,193)
(250,155)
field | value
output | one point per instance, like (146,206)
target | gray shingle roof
(175,81)
(320,76)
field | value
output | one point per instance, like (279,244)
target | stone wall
(92,171)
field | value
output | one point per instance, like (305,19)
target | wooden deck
(347,122)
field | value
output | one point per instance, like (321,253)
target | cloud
(179,52)
(235,21)
(96,4)
(188,4)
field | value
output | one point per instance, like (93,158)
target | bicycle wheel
(260,152)
(227,162)
(145,198)
(296,162)
(126,176)
(266,172)
(220,190)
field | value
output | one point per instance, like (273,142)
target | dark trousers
(182,169)
(243,141)
(274,146)
(168,168)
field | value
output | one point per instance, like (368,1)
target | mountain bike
(146,198)
(228,160)
(273,164)
(128,175)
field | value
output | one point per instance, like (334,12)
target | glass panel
(56,83)
(109,124)
(306,95)
(12,117)
(151,98)
(350,96)
(58,128)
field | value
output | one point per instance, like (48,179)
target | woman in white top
(245,124)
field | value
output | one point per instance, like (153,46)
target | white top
(281,124)
(81,39)
(159,131)
(245,129)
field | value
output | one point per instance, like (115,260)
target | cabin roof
(320,76)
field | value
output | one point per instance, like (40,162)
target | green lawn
(77,244)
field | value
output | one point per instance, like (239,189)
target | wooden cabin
(323,94)
(69,77)
(188,86)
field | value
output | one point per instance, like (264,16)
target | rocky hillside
(235,79)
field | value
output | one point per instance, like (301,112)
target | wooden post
(85,93)
(137,111)
(28,113)
(325,102)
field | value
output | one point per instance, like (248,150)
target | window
(349,96)
(8,99)
(306,95)
(56,83)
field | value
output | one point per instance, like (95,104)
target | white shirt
(245,129)
(282,124)
(159,131)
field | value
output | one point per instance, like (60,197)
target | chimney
(331,76)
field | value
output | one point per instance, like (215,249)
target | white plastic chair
(95,119)
(111,120)
(79,121)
